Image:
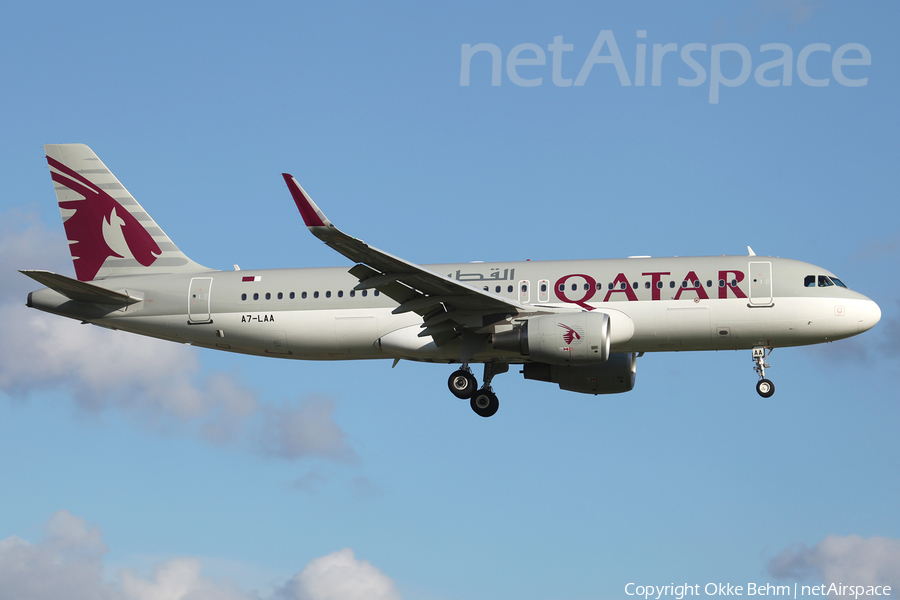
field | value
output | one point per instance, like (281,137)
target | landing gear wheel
(484,403)
(765,388)
(462,384)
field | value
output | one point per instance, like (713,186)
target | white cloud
(178,579)
(68,563)
(339,576)
(160,383)
(292,432)
(850,560)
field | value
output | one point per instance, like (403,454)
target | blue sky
(190,472)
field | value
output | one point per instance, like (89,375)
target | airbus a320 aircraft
(580,324)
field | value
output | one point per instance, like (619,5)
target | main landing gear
(483,401)
(764,387)
(462,383)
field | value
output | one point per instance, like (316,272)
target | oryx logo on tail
(98,227)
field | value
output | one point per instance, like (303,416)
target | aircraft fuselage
(655,304)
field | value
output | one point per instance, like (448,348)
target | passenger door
(198,300)
(761,283)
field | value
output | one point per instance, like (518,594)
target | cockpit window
(823,281)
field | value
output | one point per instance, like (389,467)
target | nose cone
(868,315)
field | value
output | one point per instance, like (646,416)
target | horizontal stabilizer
(79,290)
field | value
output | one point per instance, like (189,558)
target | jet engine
(560,339)
(614,376)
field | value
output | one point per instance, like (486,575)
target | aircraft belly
(688,327)
(355,334)
(790,322)
(316,335)
(732,324)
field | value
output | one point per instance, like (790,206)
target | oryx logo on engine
(571,335)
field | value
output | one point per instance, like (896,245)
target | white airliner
(581,324)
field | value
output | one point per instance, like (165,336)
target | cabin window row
(498,289)
(305,295)
(622,285)
(635,285)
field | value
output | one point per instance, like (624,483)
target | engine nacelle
(561,339)
(615,376)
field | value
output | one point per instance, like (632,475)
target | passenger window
(292,295)
(377,292)
(315,294)
(280,295)
(352,293)
(497,289)
(721,283)
(328,294)
(268,296)
(509,289)
(524,291)
(671,284)
(340,293)
(255,296)
(365,293)
(543,290)
(635,285)
(243,296)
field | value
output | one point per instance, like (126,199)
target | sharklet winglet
(312,215)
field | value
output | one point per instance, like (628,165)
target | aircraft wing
(445,304)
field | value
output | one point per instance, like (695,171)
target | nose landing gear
(764,387)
